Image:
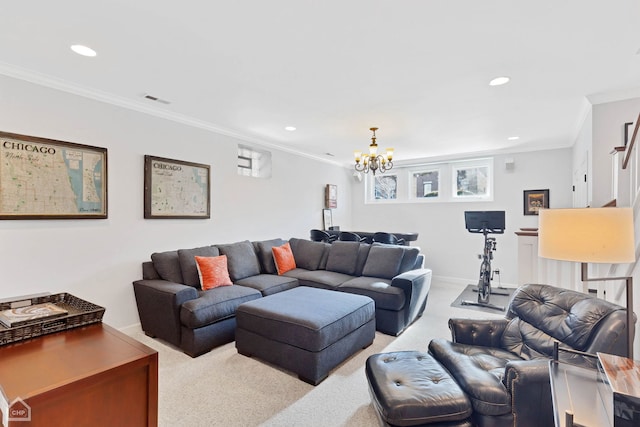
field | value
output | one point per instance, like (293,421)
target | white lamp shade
(590,235)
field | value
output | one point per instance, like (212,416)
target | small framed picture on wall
(331,196)
(327,218)
(534,200)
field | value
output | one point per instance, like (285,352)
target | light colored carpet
(224,388)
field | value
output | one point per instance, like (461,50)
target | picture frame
(331,196)
(327,219)
(176,189)
(534,200)
(627,134)
(42,178)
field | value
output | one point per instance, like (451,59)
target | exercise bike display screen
(481,221)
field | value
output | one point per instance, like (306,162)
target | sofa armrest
(484,332)
(159,303)
(416,285)
(528,383)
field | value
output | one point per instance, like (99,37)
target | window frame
(472,164)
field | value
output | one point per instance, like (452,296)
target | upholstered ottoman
(410,388)
(306,330)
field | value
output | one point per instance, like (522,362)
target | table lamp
(596,235)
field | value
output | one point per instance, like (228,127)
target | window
(425,184)
(453,181)
(385,187)
(472,179)
(253,162)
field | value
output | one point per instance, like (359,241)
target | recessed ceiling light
(290,128)
(513,138)
(499,81)
(83,50)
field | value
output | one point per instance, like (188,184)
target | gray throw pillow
(308,254)
(343,257)
(167,265)
(266,255)
(188,263)
(383,261)
(242,260)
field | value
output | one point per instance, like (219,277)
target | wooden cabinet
(88,376)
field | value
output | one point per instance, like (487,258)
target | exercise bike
(485,222)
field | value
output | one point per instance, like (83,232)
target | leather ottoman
(410,388)
(306,330)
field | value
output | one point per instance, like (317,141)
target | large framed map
(47,179)
(175,189)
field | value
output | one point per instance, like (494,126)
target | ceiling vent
(156,99)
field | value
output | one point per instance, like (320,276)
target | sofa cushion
(215,305)
(343,257)
(308,255)
(188,263)
(386,297)
(383,261)
(566,315)
(213,271)
(409,259)
(242,259)
(363,253)
(269,284)
(283,258)
(478,370)
(322,279)
(263,248)
(167,264)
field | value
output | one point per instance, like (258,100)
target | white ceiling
(417,69)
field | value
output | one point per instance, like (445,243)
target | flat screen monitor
(479,221)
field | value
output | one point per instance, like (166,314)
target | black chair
(322,236)
(387,239)
(348,236)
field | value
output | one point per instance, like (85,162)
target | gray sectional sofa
(172,307)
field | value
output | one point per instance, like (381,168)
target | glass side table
(576,401)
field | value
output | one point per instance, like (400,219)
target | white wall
(450,250)
(98,259)
(582,166)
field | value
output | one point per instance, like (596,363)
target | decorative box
(80,313)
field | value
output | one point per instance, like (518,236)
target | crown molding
(40,79)
(613,96)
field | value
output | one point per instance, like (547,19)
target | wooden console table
(92,375)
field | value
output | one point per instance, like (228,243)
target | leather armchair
(503,364)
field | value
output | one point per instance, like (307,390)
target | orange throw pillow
(213,271)
(283,258)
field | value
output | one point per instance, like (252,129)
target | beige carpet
(224,388)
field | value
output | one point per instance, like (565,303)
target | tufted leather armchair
(502,364)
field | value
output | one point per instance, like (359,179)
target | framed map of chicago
(47,179)
(175,189)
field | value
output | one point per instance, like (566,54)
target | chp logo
(19,410)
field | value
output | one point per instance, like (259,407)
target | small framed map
(47,179)
(175,189)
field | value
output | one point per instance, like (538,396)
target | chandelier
(373,161)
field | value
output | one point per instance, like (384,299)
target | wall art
(44,178)
(176,189)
